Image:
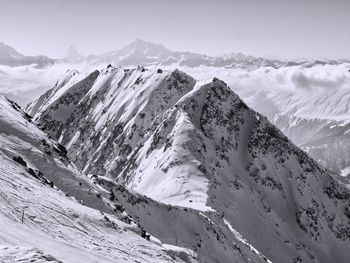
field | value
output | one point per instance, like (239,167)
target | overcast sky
(281,28)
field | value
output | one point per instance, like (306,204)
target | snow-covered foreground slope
(196,145)
(205,233)
(65,219)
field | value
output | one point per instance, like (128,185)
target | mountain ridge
(144,53)
(198,146)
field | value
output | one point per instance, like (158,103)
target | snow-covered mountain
(10,57)
(51,212)
(196,151)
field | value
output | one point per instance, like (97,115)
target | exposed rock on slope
(309,105)
(39,182)
(197,145)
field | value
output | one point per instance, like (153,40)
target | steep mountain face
(316,120)
(196,147)
(327,141)
(71,78)
(51,212)
(309,104)
(10,57)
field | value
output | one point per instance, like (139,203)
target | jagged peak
(182,74)
(69,74)
(72,71)
(108,69)
(216,87)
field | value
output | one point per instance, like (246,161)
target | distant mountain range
(143,53)
(11,57)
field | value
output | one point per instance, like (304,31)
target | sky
(287,29)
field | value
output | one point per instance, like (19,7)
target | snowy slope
(197,145)
(37,177)
(206,233)
(71,77)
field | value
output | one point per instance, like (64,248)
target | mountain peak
(72,54)
(146,46)
(140,41)
(6,50)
